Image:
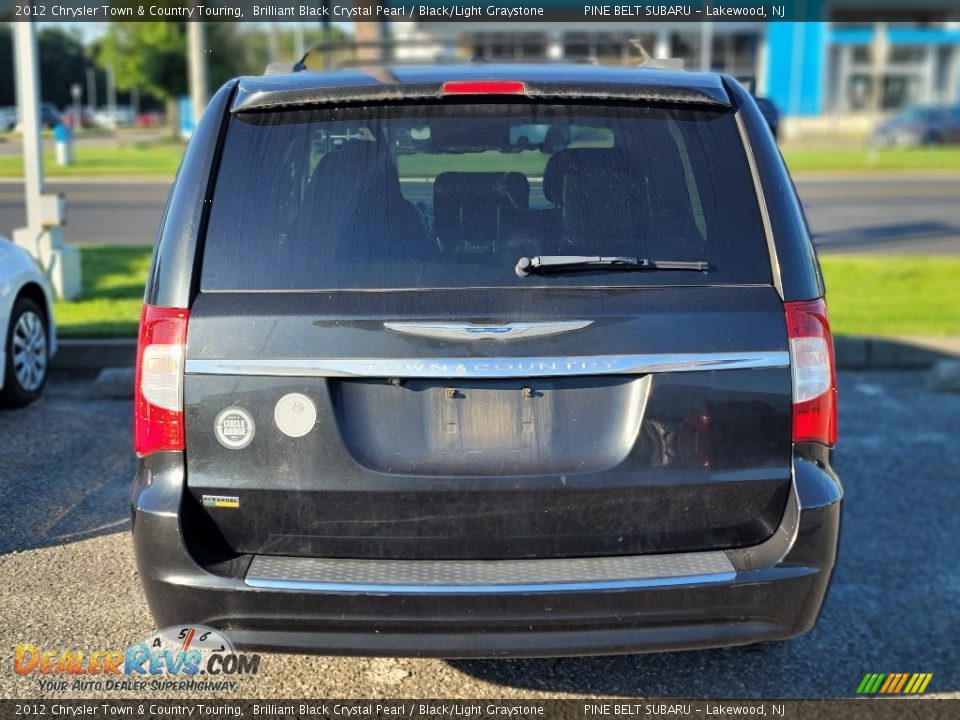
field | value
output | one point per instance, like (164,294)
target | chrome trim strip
(488,576)
(761,202)
(389,589)
(488,367)
(470,331)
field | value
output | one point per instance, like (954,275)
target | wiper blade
(560,263)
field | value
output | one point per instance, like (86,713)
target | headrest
(512,186)
(354,161)
(582,161)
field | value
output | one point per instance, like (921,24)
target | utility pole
(92,89)
(878,65)
(273,42)
(42,237)
(111,96)
(298,44)
(371,35)
(198,69)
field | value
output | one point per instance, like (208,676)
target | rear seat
(354,199)
(630,212)
(473,212)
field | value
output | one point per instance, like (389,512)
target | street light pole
(42,237)
(28,98)
(92,89)
(112,96)
(198,69)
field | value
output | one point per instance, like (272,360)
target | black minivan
(485,360)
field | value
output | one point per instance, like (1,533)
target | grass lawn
(888,295)
(160,160)
(150,160)
(113,280)
(861,159)
(868,295)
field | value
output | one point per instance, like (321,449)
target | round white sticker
(295,414)
(234,428)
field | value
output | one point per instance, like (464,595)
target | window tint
(451,195)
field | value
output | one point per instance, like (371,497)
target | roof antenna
(645,57)
(648,61)
(285,66)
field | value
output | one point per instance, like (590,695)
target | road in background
(98,212)
(68,579)
(889,214)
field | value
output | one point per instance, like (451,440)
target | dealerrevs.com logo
(186,658)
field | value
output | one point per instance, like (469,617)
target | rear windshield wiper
(561,263)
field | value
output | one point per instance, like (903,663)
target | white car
(26,326)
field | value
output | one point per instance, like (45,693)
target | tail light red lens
(484,87)
(814,372)
(158,387)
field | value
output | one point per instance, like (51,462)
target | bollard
(63,139)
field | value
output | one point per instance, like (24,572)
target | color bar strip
(903,681)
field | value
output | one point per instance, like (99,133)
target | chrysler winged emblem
(471,331)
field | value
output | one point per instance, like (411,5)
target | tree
(62,63)
(8,91)
(149,56)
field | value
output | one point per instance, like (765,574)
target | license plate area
(490,427)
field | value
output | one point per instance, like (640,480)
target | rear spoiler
(375,85)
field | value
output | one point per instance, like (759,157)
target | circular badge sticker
(295,415)
(234,428)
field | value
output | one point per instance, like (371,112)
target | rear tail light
(484,87)
(814,372)
(158,387)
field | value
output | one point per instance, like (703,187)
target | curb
(94,353)
(872,353)
(852,353)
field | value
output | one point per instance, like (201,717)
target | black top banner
(441,10)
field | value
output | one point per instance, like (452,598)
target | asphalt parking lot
(68,581)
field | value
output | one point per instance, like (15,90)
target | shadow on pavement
(65,467)
(878,235)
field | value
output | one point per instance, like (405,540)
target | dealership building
(843,65)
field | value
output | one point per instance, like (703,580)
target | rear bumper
(770,591)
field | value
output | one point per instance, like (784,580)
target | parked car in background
(149,119)
(8,118)
(86,117)
(447,395)
(49,115)
(111,118)
(933,124)
(26,326)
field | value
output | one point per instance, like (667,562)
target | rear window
(453,195)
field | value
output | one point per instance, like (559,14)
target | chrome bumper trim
(487,576)
(488,367)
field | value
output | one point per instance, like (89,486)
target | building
(844,66)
